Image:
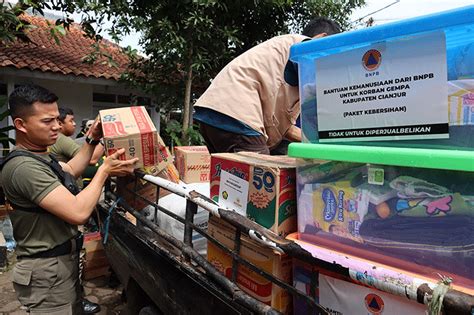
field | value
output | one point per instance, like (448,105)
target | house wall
(74,93)
(77,96)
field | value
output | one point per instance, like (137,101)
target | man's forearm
(293,134)
(98,153)
(82,159)
(75,209)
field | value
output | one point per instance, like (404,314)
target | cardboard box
(95,260)
(126,186)
(193,163)
(3,212)
(340,295)
(132,128)
(96,272)
(255,285)
(260,187)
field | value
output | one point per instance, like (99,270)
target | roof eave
(49,75)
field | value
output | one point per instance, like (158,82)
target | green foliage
(204,35)
(173,134)
(186,42)
(5,140)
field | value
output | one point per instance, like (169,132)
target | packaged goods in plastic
(419,219)
(363,70)
(177,205)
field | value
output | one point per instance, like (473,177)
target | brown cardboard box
(3,212)
(96,272)
(266,190)
(96,263)
(193,163)
(93,245)
(132,128)
(249,281)
(126,186)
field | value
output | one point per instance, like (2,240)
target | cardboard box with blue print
(131,128)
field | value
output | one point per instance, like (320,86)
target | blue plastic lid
(357,38)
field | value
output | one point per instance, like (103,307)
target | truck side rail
(454,302)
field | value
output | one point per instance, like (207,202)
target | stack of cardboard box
(96,263)
(249,281)
(263,188)
(131,128)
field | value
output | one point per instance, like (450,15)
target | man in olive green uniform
(65,148)
(47,206)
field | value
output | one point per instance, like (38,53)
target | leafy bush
(173,134)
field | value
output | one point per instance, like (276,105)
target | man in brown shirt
(253,103)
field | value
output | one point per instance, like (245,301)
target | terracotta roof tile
(44,54)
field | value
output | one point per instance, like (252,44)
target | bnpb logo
(372,59)
(374,303)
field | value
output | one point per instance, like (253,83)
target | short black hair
(320,25)
(24,96)
(63,112)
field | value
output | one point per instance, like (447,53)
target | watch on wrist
(92,141)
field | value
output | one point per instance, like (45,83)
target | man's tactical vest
(65,178)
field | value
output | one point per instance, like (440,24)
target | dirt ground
(96,290)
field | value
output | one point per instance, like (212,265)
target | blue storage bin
(458,26)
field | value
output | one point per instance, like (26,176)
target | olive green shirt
(26,182)
(65,148)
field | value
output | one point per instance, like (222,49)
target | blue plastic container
(458,26)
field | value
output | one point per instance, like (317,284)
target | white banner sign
(345,298)
(389,90)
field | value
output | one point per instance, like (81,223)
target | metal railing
(456,302)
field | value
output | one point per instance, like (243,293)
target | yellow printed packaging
(272,186)
(339,209)
(253,284)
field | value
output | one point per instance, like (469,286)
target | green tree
(189,41)
(186,42)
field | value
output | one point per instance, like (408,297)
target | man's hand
(112,166)
(77,209)
(293,134)
(95,131)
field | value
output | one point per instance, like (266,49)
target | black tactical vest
(65,178)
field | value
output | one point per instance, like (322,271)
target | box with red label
(132,128)
(257,186)
(193,163)
(264,258)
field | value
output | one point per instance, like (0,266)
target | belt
(70,246)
